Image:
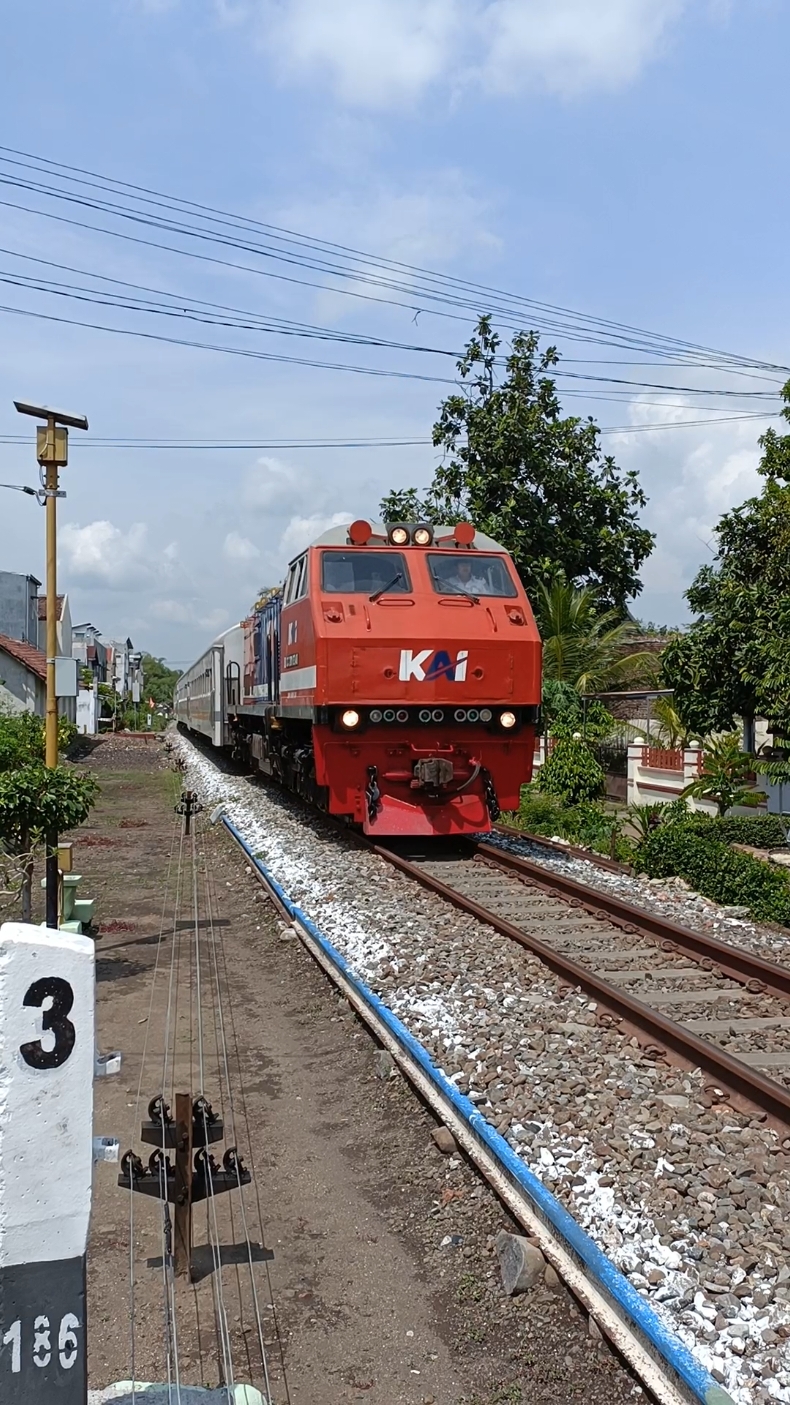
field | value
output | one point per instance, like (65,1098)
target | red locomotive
(395,680)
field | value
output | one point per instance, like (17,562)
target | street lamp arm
(21,488)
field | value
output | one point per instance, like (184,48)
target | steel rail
(734,961)
(723,1068)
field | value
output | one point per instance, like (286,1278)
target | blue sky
(624,159)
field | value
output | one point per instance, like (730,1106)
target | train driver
(461,576)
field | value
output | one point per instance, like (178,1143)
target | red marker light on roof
(360,532)
(464,533)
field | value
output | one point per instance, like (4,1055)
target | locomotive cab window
(363,572)
(296,585)
(469,573)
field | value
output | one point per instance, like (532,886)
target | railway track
(686,1188)
(684,994)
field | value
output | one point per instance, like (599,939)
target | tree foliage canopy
(532,479)
(734,660)
(34,800)
(159,680)
(23,738)
(584,646)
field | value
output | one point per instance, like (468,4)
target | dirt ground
(383,1284)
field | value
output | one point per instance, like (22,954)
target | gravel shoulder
(383,1286)
(688,1196)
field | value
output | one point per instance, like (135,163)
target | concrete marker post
(47,1053)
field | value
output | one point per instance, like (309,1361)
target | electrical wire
(202,310)
(253,445)
(248,352)
(283,239)
(193,220)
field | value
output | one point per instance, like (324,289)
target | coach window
(363,572)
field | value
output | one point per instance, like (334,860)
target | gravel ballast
(689,1198)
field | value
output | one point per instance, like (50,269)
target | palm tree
(723,778)
(671,731)
(583,646)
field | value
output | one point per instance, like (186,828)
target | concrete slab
(121,1394)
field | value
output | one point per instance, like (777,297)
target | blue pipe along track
(691,1379)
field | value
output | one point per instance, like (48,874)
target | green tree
(529,477)
(585,646)
(734,660)
(565,712)
(23,738)
(159,680)
(723,778)
(35,800)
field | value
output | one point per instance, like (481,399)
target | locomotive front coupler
(432,773)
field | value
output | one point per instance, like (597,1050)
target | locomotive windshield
(363,572)
(456,573)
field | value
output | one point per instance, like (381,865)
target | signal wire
(224,1072)
(213,1225)
(227,1037)
(135,1121)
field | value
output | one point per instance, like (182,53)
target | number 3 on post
(47,1044)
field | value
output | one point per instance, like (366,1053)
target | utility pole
(52,452)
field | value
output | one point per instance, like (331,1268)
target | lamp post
(52,452)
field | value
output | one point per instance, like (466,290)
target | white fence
(658,775)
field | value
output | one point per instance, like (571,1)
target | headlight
(485,714)
(423,536)
(399,536)
(375,715)
(507,720)
(403,715)
(350,718)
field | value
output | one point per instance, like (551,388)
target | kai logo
(441,665)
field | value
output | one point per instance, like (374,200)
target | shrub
(586,823)
(540,813)
(713,868)
(572,773)
(761,831)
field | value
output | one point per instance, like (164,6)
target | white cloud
(214,619)
(174,611)
(691,476)
(239,548)
(301,531)
(271,486)
(383,53)
(438,219)
(102,554)
(572,46)
(375,52)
